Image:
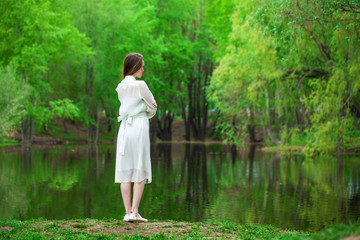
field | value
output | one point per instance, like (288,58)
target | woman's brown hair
(132,63)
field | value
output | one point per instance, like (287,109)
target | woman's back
(135,98)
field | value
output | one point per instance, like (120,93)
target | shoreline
(47,141)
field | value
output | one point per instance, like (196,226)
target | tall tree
(189,64)
(35,35)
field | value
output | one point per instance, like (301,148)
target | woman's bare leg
(138,191)
(126,196)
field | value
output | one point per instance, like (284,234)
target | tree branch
(324,50)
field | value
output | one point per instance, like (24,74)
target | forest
(281,73)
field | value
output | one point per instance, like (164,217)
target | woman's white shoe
(139,218)
(129,217)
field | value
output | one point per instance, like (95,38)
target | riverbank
(117,229)
(67,132)
(353,149)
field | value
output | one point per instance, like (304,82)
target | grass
(353,148)
(284,148)
(117,229)
(6,142)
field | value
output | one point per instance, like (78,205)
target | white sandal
(129,217)
(139,218)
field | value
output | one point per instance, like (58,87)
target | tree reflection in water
(196,190)
(27,156)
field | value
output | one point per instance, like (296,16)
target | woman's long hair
(132,63)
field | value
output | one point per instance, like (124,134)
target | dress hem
(146,181)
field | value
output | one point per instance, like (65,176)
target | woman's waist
(130,116)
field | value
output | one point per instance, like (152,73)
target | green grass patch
(117,229)
(284,148)
(6,142)
(81,225)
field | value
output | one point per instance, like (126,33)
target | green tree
(189,63)
(37,36)
(14,94)
(241,84)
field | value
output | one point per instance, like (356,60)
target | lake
(191,182)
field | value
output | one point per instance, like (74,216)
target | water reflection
(191,182)
(27,156)
(197,184)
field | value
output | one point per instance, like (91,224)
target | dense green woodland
(280,72)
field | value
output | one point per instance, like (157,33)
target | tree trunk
(186,121)
(197,108)
(251,127)
(92,114)
(153,130)
(198,115)
(97,128)
(164,126)
(109,122)
(205,102)
(190,117)
(28,130)
(268,128)
(64,125)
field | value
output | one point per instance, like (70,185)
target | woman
(133,142)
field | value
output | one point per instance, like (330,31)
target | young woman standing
(133,162)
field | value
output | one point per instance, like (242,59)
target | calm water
(190,182)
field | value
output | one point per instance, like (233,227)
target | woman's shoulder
(118,86)
(124,82)
(141,83)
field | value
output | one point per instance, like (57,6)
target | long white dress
(133,162)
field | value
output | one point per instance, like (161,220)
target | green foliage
(295,65)
(38,36)
(64,108)
(279,65)
(218,15)
(14,94)
(245,72)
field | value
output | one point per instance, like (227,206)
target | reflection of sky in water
(190,183)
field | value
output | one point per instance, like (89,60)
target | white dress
(133,162)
